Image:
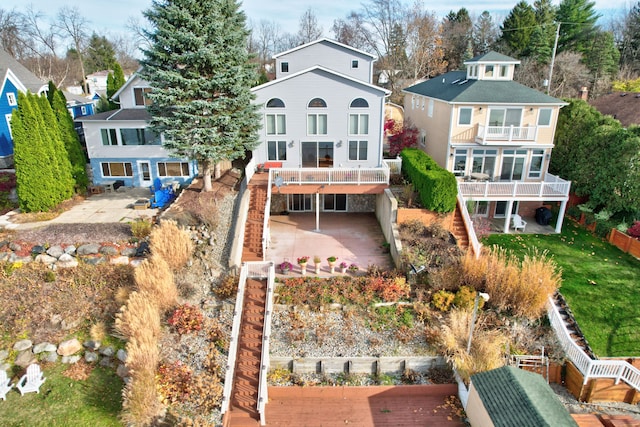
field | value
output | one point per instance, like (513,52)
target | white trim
(11,99)
(320,40)
(142,181)
(470,117)
(8,119)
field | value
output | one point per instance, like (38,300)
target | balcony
(552,188)
(330,176)
(498,135)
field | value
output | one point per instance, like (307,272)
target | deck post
(317,212)
(563,207)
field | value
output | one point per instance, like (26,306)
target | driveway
(112,207)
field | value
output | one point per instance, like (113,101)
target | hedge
(437,187)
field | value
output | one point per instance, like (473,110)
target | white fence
(263,396)
(394,165)
(551,187)
(300,176)
(468,222)
(590,368)
(266,231)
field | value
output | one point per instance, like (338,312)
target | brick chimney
(583,93)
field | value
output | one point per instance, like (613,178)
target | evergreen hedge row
(436,186)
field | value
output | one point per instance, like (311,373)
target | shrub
(174,380)
(153,276)
(442,300)
(172,244)
(574,212)
(437,187)
(138,316)
(634,230)
(141,228)
(227,288)
(465,298)
(186,318)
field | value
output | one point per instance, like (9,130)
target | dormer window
(488,70)
(504,70)
(140,96)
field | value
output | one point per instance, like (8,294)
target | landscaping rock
(122,371)
(71,249)
(120,260)
(107,351)
(3,355)
(88,249)
(55,251)
(107,362)
(90,357)
(4,256)
(136,262)
(56,319)
(45,259)
(51,357)
(91,344)
(121,355)
(17,258)
(70,360)
(69,347)
(25,358)
(128,252)
(22,345)
(37,249)
(108,250)
(15,247)
(94,260)
(44,347)
(67,261)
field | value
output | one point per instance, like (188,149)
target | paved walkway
(110,207)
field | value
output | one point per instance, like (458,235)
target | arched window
(275,103)
(317,103)
(359,103)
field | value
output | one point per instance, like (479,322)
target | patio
(351,237)
(497,226)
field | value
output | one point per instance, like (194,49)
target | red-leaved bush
(406,138)
(186,318)
(634,230)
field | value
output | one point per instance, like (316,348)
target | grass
(599,281)
(62,401)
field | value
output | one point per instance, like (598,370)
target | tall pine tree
(518,27)
(200,72)
(115,81)
(578,24)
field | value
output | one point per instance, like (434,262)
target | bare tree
(350,31)
(265,40)
(73,25)
(12,36)
(309,29)
(126,50)
(140,31)
(424,44)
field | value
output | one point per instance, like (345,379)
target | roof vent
(443,80)
(455,81)
(463,82)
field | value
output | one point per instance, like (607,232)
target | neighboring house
(494,134)
(15,78)
(120,147)
(323,125)
(623,106)
(97,82)
(509,396)
(79,105)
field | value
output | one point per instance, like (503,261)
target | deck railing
(619,370)
(500,134)
(551,187)
(468,224)
(266,232)
(263,395)
(357,176)
(394,165)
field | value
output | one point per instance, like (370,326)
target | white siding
(338,94)
(327,55)
(96,150)
(126,96)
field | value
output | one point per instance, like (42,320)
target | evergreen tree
(544,36)
(29,154)
(456,34)
(100,55)
(630,49)
(601,55)
(71,141)
(539,48)
(517,28)
(200,72)
(115,81)
(578,24)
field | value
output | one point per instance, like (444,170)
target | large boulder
(55,251)
(25,358)
(69,347)
(23,345)
(66,261)
(88,249)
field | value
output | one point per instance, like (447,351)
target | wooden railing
(263,395)
(551,187)
(500,134)
(357,176)
(590,368)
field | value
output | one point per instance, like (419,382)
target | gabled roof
(623,106)
(515,397)
(325,70)
(493,57)
(454,88)
(127,83)
(326,41)
(124,114)
(29,80)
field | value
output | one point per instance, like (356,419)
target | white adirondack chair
(5,385)
(518,222)
(31,381)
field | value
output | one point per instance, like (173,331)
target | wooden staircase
(244,395)
(252,247)
(459,230)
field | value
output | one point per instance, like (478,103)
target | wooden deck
(417,405)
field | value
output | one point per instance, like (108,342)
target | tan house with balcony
(494,134)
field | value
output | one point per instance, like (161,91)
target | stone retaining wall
(357,365)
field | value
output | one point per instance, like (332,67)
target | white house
(120,147)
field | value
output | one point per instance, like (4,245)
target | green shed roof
(450,87)
(517,398)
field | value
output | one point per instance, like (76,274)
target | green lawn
(66,402)
(600,282)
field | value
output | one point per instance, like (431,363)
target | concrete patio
(351,237)
(532,227)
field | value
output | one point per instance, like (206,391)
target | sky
(110,16)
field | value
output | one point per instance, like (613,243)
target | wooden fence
(625,242)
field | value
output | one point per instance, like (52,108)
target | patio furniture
(518,222)
(31,381)
(108,186)
(5,385)
(478,176)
